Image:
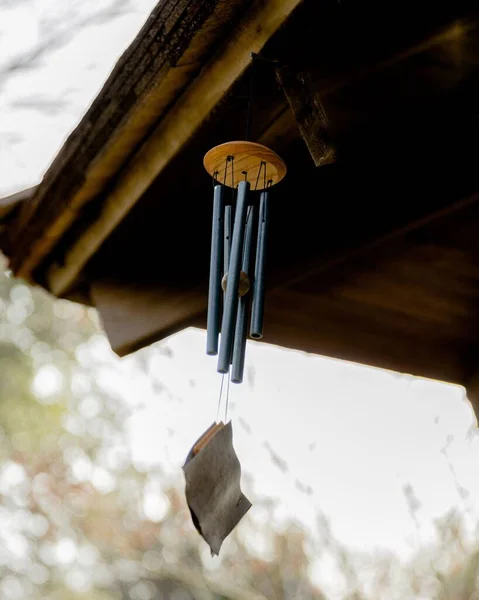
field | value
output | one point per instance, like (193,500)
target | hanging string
(233,196)
(249,110)
(221,396)
(219,399)
(214,179)
(253,68)
(226,170)
(262,164)
(246,225)
(227,397)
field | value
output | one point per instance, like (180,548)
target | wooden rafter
(179,125)
(164,58)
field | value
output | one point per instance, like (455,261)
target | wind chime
(248,171)
(243,174)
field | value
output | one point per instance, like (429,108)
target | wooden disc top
(233,162)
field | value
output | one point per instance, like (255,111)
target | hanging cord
(249,112)
(233,190)
(219,399)
(227,397)
(228,159)
(248,214)
(261,166)
(249,109)
(218,410)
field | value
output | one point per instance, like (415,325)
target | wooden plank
(36,240)
(8,203)
(308,111)
(132,314)
(253,162)
(158,65)
(281,131)
(312,267)
(181,122)
(297,321)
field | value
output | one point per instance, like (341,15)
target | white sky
(64,82)
(355,435)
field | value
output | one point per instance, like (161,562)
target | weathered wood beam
(301,321)
(308,111)
(281,131)
(451,38)
(313,267)
(8,203)
(133,316)
(179,125)
(164,58)
(136,316)
(310,84)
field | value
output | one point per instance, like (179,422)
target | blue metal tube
(231,295)
(216,259)
(228,234)
(239,344)
(257,313)
(229,213)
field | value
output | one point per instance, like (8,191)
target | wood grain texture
(372,258)
(184,118)
(130,315)
(9,203)
(165,56)
(232,162)
(311,118)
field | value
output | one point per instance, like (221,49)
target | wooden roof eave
(163,58)
(9,203)
(170,77)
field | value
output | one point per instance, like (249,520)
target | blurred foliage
(72,508)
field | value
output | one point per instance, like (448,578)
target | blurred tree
(73,523)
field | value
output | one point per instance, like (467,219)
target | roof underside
(373,257)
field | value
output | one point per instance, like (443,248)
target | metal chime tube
(228,230)
(257,313)
(216,259)
(231,295)
(228,233)
(239,344)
